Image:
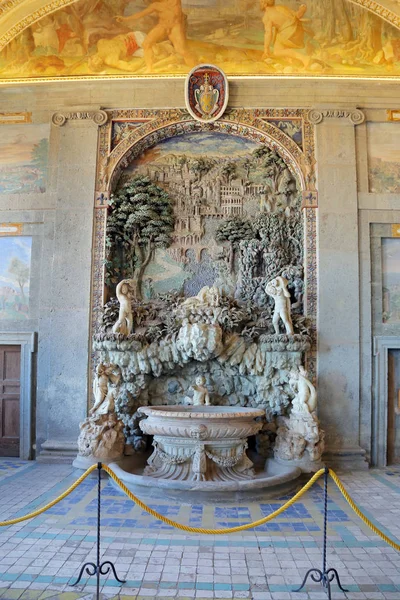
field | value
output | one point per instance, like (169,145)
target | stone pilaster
(338,275)
(64,345)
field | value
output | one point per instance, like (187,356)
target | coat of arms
(206,93)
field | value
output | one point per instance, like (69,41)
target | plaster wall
(61,223)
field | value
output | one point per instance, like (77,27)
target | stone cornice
(317,115)
(99,117)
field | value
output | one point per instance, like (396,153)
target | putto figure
(277,289)
(201,394)
(124,293)
(104,396)
(305,400)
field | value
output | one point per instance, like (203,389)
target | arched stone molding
(17,15)
(254,124)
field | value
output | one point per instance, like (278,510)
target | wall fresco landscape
(169,37)
(15,266)
(23,151)
(384,158)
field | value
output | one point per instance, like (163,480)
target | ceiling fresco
(138,38)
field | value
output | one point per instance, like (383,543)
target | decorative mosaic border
(250,124)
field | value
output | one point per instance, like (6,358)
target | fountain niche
(199,384)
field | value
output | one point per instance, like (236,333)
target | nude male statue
(170,26)
(277,289)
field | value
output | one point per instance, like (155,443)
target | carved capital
(316,116)
(99,117)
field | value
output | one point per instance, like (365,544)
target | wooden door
(393,434)
(10,374)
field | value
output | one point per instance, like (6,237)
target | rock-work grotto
(228,331)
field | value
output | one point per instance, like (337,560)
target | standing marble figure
(277,289)
(124,324)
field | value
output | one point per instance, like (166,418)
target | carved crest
(206,93)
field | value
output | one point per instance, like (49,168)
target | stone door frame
(27,342)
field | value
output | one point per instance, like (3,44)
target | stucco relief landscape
(209,177)
(243,37)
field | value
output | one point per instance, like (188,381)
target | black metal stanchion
(325,576)
(98,568)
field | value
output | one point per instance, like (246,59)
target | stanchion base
(325,578)
(92,569)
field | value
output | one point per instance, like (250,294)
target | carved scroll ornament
(99,117)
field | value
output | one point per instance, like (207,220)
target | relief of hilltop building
(197,199)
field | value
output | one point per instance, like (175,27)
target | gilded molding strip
(99,117)
(316,116)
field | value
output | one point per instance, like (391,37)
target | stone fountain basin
(201,422)
(177,428)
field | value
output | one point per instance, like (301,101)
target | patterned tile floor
(40,558)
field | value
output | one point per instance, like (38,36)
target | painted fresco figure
(117,52)
(284,30)
(171,26)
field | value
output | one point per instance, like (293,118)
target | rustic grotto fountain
(202,388)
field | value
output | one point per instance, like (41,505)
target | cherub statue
(201,394)
(305,400)
(104,396)
(277,289)
(124,293)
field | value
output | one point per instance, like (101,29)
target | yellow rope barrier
(360,514)
(39,511)
(202,530)
(157,515)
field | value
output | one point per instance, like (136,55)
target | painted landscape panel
(384,157)
(15,267)
(169,37)
(23,158)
